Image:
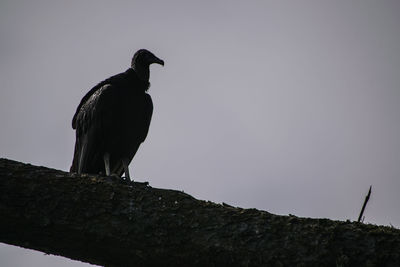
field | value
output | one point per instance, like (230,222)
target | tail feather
(80,155)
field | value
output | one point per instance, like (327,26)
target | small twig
(365,204)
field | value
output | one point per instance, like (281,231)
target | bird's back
(113,80)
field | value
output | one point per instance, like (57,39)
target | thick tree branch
(105,221)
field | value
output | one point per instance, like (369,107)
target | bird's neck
(142,72)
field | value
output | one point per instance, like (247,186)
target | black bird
(113,119)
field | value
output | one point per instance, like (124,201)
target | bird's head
(141,61)
(143,58)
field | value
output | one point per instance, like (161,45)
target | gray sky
(285,106)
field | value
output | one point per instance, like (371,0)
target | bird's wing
(94,90)
(91,120)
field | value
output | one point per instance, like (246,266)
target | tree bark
(109,222)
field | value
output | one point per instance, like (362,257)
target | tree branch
(105,221)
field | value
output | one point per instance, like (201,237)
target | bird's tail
(79,155)
(75,160)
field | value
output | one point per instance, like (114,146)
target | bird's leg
(106,158)
(125,163)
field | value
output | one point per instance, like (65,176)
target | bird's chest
(131,105)
(128,119)
(129,110)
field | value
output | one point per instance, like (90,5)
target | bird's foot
(144,183)
(114,175)
(127,179)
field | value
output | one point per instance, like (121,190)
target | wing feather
(90,122)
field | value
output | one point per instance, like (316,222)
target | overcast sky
(286,106)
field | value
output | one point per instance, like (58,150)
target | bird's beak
(158,61)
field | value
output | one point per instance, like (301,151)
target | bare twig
(365,204)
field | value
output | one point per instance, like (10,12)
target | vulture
(113,119)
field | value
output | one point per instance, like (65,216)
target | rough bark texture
(106,221)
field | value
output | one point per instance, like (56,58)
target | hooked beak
(156,60)
(159,61)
